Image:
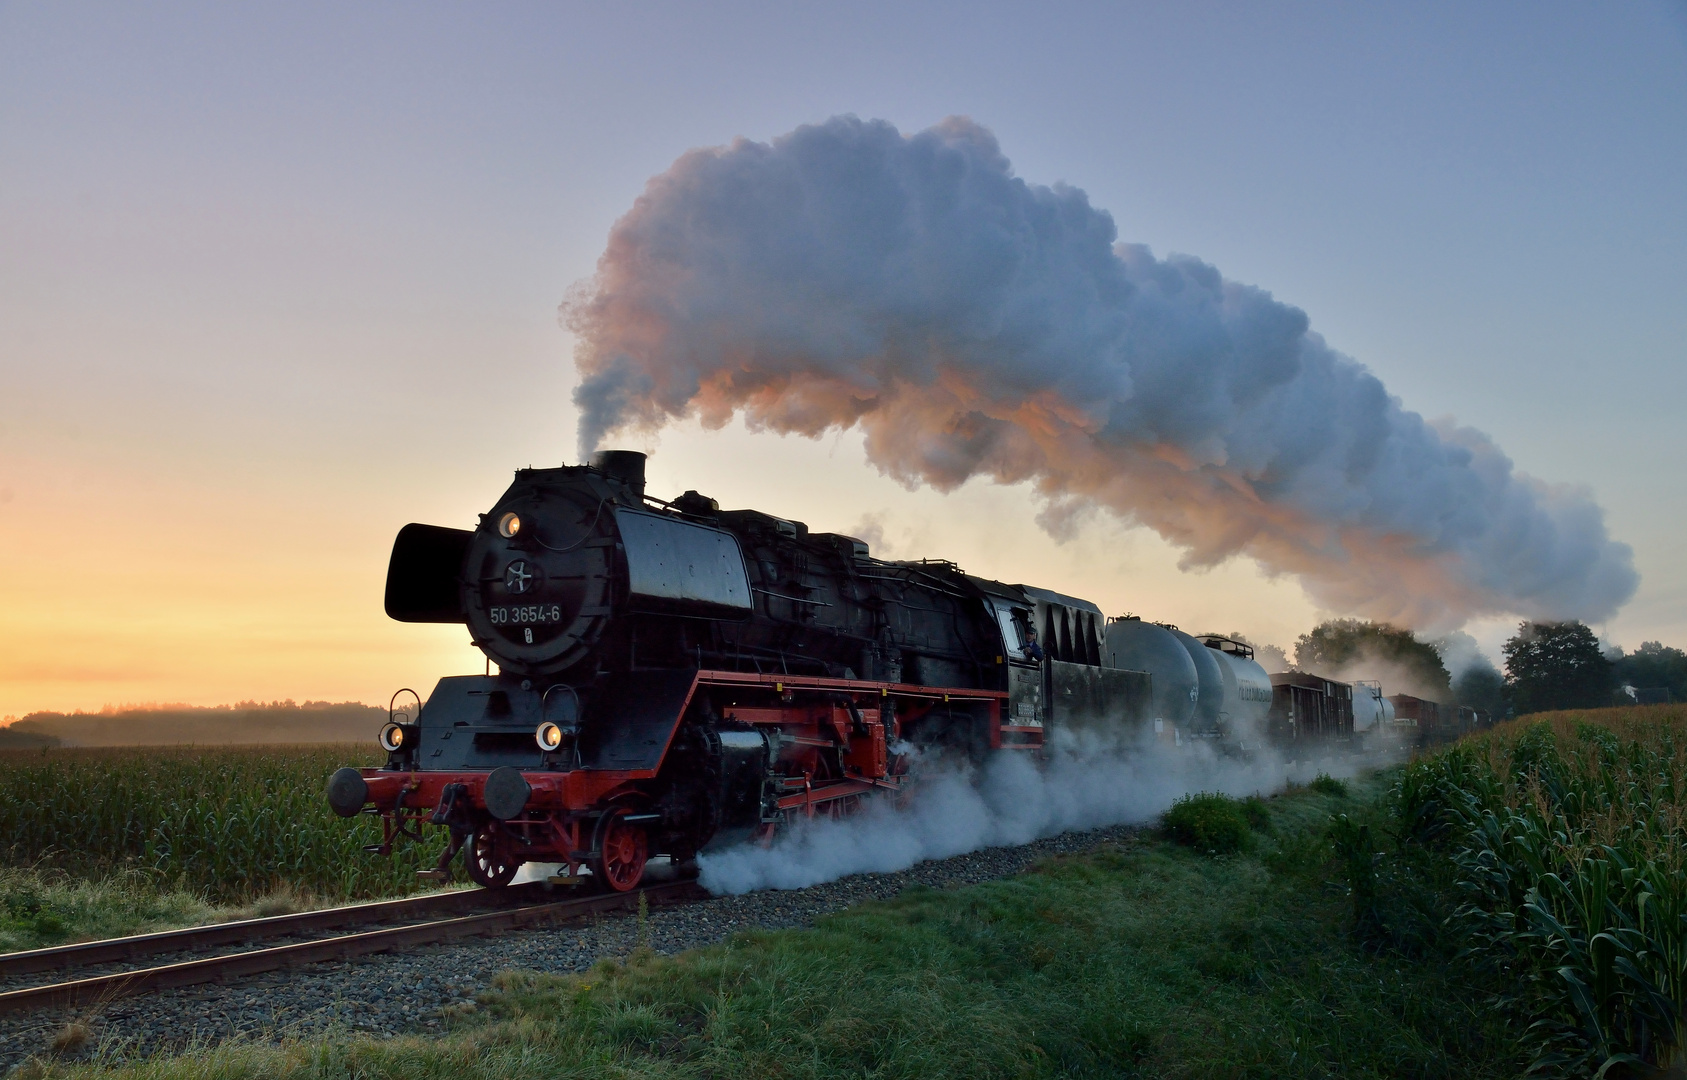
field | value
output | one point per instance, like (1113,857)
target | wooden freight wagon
(1436,723)
(1306,708)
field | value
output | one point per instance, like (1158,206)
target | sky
(277,279)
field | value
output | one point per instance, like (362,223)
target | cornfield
(229,823)
(1568,838)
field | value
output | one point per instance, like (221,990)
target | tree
(1334,647)
(1654,664)
(1481,686)
(1556,665)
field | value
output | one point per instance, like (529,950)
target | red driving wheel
(623,848)
(487,859)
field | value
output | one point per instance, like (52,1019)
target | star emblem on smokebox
(518,578)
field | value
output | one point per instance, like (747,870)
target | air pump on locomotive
(671,675)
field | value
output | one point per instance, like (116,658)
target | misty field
(164,832)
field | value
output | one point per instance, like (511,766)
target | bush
(1325,784)
(1257,813)
(1209,822)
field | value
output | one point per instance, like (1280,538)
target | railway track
(513,907)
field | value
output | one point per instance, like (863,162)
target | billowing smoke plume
(975,324)
(1460,654)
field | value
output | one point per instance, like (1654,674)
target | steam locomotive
(671,676)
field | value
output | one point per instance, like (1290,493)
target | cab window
(1013,638)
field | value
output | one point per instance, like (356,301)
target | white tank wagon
(1204,688)
(1245,695)
(1209,698)
(1371,710)
(1135,645)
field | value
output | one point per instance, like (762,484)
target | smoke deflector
(680,568)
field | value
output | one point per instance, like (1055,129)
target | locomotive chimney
(626,466)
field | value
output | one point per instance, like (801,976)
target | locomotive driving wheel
(487,859)
(622,850)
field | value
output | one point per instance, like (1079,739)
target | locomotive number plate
(526,615)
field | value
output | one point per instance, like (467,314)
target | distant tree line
(1653,666)
(1548,665)
(222,725)
(1559,665)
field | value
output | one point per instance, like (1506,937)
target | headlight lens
(392,737)
(509,525)
(548,736)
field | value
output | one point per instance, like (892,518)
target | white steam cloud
(1012,800)
(974,324)
(1460,653)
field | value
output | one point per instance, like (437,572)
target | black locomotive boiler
(672,675)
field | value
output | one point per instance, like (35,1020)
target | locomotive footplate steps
(105,988)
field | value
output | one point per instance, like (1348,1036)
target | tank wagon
(672,675)
(1206,688)
(1245,694)
(1373,716)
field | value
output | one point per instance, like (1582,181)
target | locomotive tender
(671,675)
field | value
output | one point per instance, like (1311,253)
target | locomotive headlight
(548,736)
(392,737)
(509,525)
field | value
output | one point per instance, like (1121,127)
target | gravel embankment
(406,992)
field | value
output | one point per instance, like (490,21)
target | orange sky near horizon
(207,590)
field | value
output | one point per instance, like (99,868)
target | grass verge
(1148,959)
(43,906)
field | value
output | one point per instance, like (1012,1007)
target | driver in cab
(1031,649)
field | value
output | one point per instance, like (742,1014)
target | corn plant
(229,823)
(1569,835)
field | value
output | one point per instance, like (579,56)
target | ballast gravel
(407,993)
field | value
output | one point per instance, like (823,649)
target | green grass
(46,907)
(1145,959)
(42,907)
(229,826)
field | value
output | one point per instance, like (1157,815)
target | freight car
(1308,710)
(672,675)
(1424,722)
(1429,722)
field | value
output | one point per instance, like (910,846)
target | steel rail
(104,988)
(187,939)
